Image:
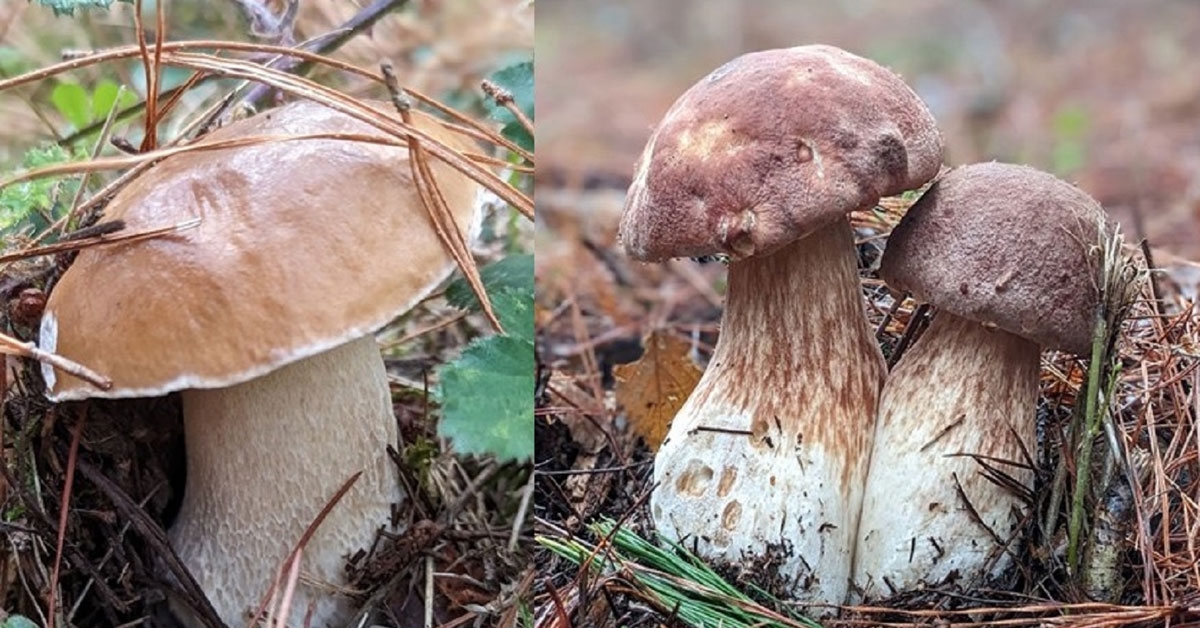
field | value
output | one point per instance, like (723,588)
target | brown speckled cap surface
(302,246)
(1005,245)
(771,146)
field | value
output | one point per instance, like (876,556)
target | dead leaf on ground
(653,388)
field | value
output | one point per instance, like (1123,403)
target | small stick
(429,569)
(522,511)
(12,346)
(504,98)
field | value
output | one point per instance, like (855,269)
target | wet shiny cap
(1004,245)
(302,246)
(772,146)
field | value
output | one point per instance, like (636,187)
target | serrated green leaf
(27,203)
(72,101)
(487,398)
(514,271)
(514,308)
(518,79)
(67,7)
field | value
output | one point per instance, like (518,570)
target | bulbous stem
(264,457)
(962,390)
(767,458)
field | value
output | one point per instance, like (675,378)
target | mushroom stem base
(961,391)
(264,457)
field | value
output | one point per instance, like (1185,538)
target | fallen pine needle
(71,245)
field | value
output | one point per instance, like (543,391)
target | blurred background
(1103,93)
(439,47)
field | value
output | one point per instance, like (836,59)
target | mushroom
(1008,255)
(262,316)
(761,161)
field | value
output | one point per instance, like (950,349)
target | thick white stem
(961,389)
(264,457)
(764,465)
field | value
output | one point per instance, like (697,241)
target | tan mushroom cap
(302,246)
(772,146)
(1004,245)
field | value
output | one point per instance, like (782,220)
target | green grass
(670,578)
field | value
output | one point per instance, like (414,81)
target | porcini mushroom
(762,160)
(1008,255)
(262,316)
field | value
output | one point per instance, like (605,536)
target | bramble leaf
(487,393)
(514,271)
(487,398)
(38,201)
(517,79)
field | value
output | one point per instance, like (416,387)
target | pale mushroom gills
(1008,256)
(262,315)
(762,160)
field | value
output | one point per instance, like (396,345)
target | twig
(518,521)
(154,536)
(12,346)
(333,40)
(504,98)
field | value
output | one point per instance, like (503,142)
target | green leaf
(514,308)
(487,393)
(67,7)
(104,98)
(29,203)
(18,621)
(518,134)
(514,271)
(487,398)
(517,79)
(72,101)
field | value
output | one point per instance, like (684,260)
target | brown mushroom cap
(1004,245)
(303,246)
(772,146)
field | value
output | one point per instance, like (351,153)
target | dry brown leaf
(653,388)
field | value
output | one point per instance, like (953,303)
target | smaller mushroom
(1009,256)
